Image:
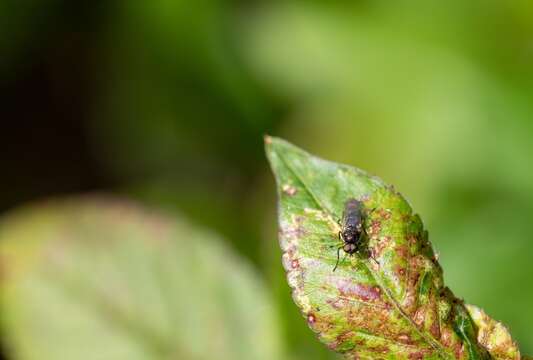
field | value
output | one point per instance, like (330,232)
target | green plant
(103,278)
(99,277)
(396,307)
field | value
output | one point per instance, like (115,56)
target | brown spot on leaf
(419,355)
(288,260)
(294,232)
(435,330)
(402,251)
(333,346)
(289,190)
(405,339)
(363,292)
(459,350)
(405,218)
(446,337)
(381,245)
(419,316)
(338,303)
(372,320)
(343,337)
(375,227)
(379,349)
(410,302)
(311,319)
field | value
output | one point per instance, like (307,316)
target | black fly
(353,228)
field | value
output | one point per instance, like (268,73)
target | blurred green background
(166,102)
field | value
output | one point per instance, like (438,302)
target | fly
(353,232)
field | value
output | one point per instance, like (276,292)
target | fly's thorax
(347,236)
(351,235)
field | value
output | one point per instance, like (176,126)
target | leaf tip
(272,145)
(279,145)
(268,139)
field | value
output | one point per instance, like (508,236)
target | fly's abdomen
(352,213)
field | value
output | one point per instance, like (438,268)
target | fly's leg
(338,257)
(338,252)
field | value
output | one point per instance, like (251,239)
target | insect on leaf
(386,302)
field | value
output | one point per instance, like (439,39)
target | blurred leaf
(395,306)
(105,279)
(206,207)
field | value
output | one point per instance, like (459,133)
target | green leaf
(388,301)
(104,279)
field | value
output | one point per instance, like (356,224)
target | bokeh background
(166,102)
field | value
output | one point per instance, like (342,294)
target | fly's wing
(352,214)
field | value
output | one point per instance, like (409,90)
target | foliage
(165,102)
(101,278)
(390,302)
